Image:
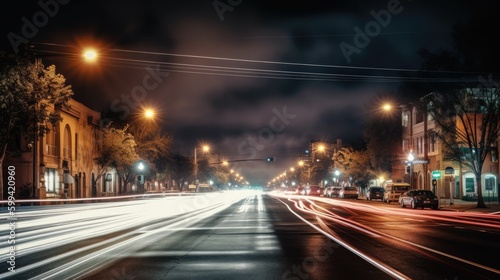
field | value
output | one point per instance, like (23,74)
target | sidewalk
(468,206)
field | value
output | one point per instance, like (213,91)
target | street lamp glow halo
(141,166)
(90,55)
(387,107)
(149,113)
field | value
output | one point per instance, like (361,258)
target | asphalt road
(251,236)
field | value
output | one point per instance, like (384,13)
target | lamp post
(140,180)
(205,148)
(411,157)
(337,174)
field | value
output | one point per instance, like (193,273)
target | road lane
(257,238)
(240,235)
(416,242)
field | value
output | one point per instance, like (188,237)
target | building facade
(431,170)
(62,161)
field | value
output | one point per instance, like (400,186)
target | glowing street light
(140,166)
(387,107)
(90,55)
(149,113)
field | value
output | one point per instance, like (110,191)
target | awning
(68,179)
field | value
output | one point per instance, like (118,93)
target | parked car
(327,192)
(335,192)
(419,198)
(349,192)
(331,191)
(392,191)
(375,193)
(314,190)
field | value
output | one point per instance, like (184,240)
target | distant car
(419,198)
(349,192)
(327,192)
(375,193)
(301,191)
(335,192)
(314,190)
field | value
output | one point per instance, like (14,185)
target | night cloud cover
(225,110)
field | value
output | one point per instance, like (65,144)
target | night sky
(251,78)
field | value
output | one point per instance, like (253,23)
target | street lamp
(140,178)
(205,149)
(90,55)
(387,107)
(337,174)
(411,157)
(149,113)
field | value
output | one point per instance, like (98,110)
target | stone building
(64,165)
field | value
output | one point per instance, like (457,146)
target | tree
(468,123)
(354,164)
(181,169)
(30,98)
(151,142)
(115,148)
(382,132)
(206,171)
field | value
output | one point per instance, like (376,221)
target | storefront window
(51,180)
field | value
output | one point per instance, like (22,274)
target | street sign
(420,161)
(436,174)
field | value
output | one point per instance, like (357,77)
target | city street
(251,235)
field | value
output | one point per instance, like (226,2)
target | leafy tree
(382,132)
(468,123)
(354,164)
(180,168)
(30,98)
(206,171)
(115,148)
(313,171)
(151,143)
(321,168)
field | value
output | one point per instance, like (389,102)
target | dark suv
(419,198)
(375,193)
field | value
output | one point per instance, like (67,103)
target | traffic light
(270,159)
